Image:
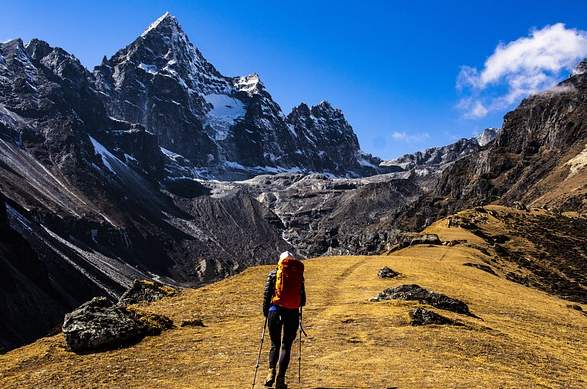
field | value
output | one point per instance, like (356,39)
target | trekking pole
(300,349)
(260,349)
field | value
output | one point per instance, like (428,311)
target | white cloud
(406,137)
(522,67)
(472,108)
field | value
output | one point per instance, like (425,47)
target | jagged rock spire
(166,23)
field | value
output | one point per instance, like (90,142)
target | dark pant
(288,320)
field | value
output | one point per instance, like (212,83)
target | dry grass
(526,338)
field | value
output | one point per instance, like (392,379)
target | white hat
(285,254)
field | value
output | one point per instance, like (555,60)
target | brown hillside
(524,337)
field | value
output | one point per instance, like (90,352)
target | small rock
(426,239)
(455,242)
(386,272)
(147,291)
(422,316)
(411,239)
(416,292)
(480,266)
(192,323)
(97,325)
(154,324)
(518,278)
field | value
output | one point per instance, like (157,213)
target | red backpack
(289,283)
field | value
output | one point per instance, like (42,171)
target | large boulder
(97,326)
(417,293)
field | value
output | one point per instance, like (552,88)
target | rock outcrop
(423,317)
(412,239)
(98,326)
(536,159)
(386,272)
(417,293)
(147,291)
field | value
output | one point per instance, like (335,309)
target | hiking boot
(270,378)
(280,383)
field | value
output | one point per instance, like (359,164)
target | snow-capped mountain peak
(163,82)
(165,20)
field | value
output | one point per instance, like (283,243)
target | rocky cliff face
(538,158)
(435,159)
(536,148)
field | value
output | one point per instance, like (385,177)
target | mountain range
(155,165)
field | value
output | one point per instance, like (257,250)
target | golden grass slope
(526,338)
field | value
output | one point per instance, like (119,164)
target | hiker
(284,295)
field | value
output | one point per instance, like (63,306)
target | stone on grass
(413,292)
(481,266)
(192,323)
(386,272)
(422,316)
(147,291)
(97,325)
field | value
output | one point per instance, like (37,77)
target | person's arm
(269,291)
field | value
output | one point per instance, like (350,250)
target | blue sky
(392,67)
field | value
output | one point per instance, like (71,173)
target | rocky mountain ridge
(536,159)
(436,158)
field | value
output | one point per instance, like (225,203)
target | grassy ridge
(525,337)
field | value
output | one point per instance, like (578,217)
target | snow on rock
(170,154)
(436,158)
(152,69)
(156,23)
(107,157)
(263,169)
(224,113)
(361,159)
(250,84)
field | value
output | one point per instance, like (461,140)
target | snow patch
(152,69)
(263,169)
(107,156)
(362,160)
(170,154)
(249,84)
(403,165)
(578,162)
(223,115)
(156,23)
